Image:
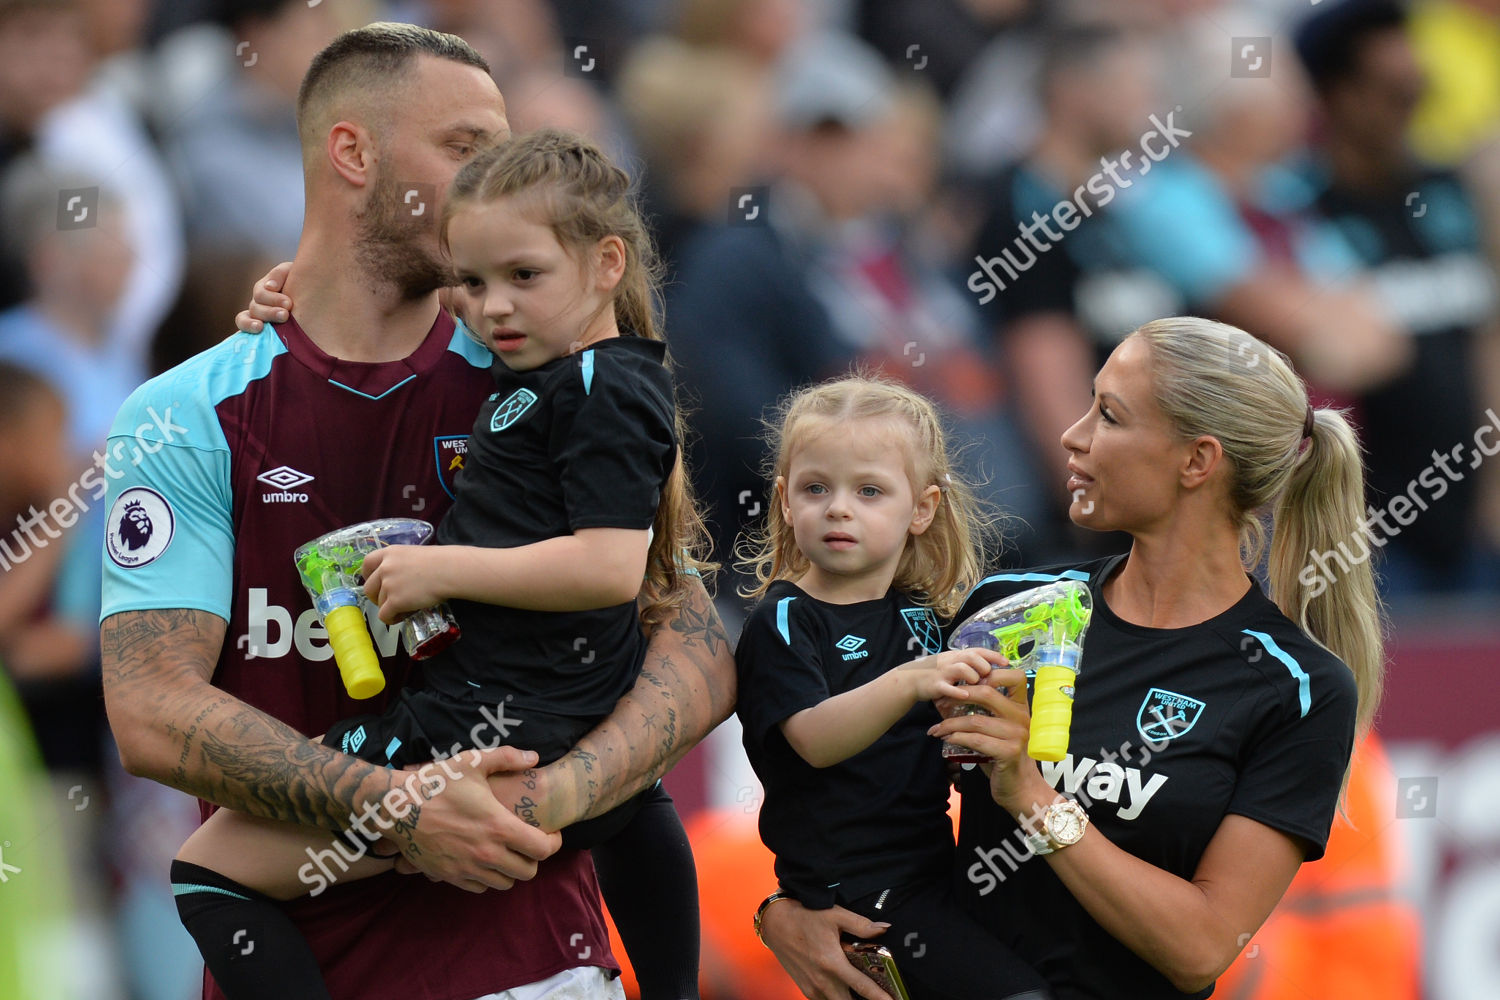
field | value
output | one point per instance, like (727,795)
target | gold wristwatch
(1063,824)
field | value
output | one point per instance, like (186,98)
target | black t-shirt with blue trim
(1427,264)
(585,441)
(1172,730)
(1094,276)
(878,819)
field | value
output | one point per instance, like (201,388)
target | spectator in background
(760,30)
(99,132)
(1414,227)
(33,433)
(1240,240)
(43,62)
(1345,927)
(77,264)
(235,151)
(812,276)
(701,120)
(942,37)
(544,83)
(1056,321)
(42,919)
(61,333)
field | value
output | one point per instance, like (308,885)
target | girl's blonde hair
(1216,380)
(938,567)
(575,189)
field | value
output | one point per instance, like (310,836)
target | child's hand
(402,579)
(940,675)
(268,304)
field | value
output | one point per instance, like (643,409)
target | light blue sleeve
(1321,248)
(1181,224)
(169,536)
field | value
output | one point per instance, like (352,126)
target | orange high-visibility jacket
(1341,930)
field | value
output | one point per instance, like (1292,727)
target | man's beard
(389,244)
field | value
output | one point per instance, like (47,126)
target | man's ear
(351,152)
(1205,455)
(926,509)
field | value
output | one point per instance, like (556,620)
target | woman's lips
(1078,480)
(836,540)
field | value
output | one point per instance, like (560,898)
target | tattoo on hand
(403,832)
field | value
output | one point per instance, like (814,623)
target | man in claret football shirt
(215,670)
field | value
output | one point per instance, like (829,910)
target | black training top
(1172,729)
(1427,263)
(585,441)
(878,819)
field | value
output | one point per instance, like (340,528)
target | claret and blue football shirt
(220,468)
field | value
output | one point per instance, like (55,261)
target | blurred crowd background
(978,197)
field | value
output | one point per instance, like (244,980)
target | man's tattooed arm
(174,727)
(686,688)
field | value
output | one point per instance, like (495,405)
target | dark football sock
(650,884)
(250,945)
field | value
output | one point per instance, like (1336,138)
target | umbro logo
(851,644)
(284,478)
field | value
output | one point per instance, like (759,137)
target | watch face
(1065,823)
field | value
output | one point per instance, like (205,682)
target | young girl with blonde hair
(871,542)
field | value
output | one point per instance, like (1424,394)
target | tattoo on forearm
(685,689)
(130,643)
(700,624)
(156,668)
(526,809)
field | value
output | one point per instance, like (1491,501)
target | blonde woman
(1213,723)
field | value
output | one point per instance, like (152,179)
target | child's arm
(591,568)
(840,727)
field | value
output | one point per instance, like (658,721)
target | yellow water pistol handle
(354,652)
(1051,712)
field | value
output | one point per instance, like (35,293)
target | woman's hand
(267,304)
(1015,782)
(404,578)
(806,943)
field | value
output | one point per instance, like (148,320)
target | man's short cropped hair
(1330,41)
(371,59)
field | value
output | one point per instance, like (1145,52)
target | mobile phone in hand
(875,960)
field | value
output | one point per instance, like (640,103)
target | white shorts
(588,982)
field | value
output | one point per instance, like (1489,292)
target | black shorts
(422,725)
(941,952)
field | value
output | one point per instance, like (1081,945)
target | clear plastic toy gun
(1042,631)
(330,569)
